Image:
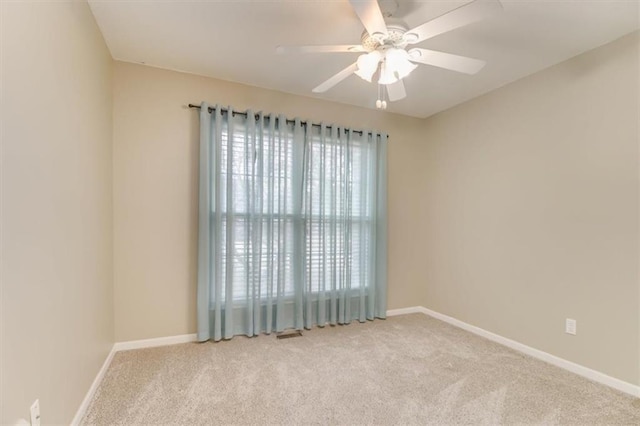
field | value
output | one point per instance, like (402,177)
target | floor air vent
(289,334)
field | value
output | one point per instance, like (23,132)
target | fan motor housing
(394,38)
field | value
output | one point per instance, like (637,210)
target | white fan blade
(396,91)
(336,79)
(320,49)
(464,15)
(446,60)
(369,13)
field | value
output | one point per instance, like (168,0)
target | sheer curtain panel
(292,224)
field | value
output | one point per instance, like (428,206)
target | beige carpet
(410,369)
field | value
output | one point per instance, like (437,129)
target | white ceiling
(236,41)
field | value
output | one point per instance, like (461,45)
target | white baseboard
(92,390)
(152,343)
(404,311)
(578,369)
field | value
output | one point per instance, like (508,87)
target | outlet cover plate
(571,326)
(35,413)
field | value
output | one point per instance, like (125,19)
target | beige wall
(529,210)
(57,300)
(155,191)
(511,212)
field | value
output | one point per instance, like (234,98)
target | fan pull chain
(381,103)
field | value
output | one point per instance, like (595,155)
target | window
(292,228)
(330,216)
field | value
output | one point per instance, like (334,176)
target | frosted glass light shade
(368,65)
(398,61)
(386,75)
(398,64)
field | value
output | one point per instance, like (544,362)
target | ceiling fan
(386,52)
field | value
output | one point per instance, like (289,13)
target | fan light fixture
(395,65)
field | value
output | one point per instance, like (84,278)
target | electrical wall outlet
(35,413)
(570,326)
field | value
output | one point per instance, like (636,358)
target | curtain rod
(288,121)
